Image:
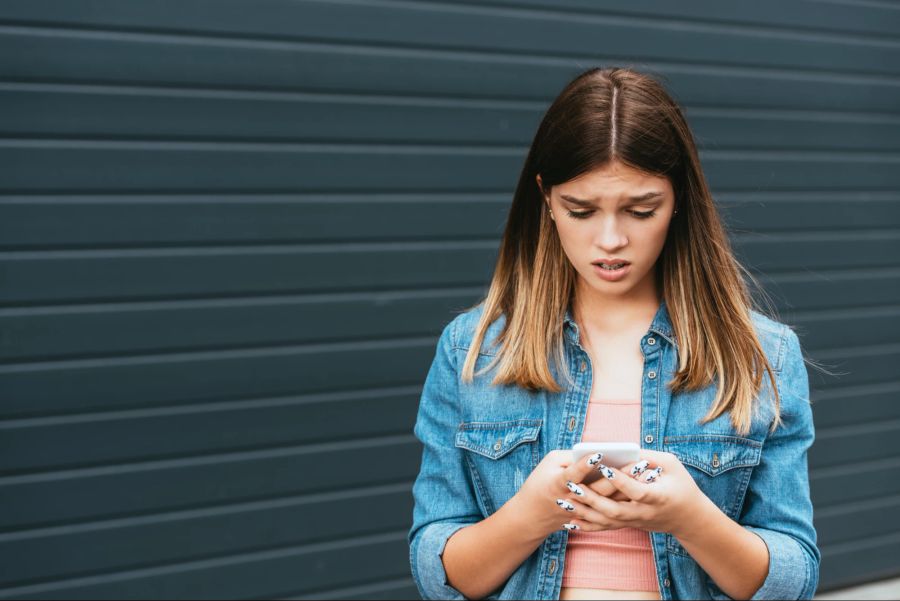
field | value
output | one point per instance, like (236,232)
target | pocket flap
(496,439)
(714,453)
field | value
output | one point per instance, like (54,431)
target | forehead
(614,182)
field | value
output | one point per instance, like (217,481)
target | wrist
(528,523)
(703,512)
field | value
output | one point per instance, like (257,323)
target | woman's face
(613,223)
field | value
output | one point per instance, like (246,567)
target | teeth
(614,267)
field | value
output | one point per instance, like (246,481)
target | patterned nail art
(575,488)
(640,467)
(565,505)
(606,471)
(595,459)
(570,526)
(652,475)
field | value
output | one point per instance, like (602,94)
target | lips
(611,261)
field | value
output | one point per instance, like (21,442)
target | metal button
(498,445)
(651,374)
(571,423)
(648,439)
(583,365)
(552,568)
(666,583)
(651,341)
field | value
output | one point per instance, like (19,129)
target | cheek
(659,234)
(576,241)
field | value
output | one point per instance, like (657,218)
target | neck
(612,315)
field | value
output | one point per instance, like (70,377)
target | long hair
(619,114)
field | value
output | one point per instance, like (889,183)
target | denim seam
(742,492)
(702,466)
(487,505)
(525,423)
(457,347)
(782,349)
(713,437)
(413,550)
(808,575)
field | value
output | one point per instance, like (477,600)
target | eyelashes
(586,214)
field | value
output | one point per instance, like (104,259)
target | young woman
(616,277)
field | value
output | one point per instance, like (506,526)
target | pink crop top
(612,559)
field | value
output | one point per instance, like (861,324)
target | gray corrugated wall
(232,231)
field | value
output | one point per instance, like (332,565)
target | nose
(611,234)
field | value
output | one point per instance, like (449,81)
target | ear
(540,184)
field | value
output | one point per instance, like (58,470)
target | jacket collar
(661,325)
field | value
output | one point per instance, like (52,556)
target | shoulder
(782,347)
(774,337)
(463,329)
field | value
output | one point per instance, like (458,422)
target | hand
(547,483)
(659,506)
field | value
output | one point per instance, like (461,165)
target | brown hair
(618,114)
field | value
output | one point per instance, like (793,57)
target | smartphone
(615,454)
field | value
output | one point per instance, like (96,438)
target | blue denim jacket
(481,442)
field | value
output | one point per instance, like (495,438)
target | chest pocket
(721,466)
(499,455)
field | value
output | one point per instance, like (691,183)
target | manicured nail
(575,488)
(570,526)
(652,475)
(606,471)
(640,467)
(595,459)
(565,505)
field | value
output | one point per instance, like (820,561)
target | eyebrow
(632,199)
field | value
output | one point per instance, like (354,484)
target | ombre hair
(619,114)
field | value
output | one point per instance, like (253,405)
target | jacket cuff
(425,554)
(789,567)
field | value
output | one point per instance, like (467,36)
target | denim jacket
(482,441)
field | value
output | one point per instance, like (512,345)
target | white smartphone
(615,454)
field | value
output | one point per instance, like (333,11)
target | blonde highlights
(618,114)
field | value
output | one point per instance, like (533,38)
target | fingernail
(640,467)
(606,471)
(565,505)
(652,475)
(575,488)
(595,459)
(570,526)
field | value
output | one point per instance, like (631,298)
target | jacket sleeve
(443,497)
(778,507)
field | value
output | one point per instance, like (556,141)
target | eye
(586,214)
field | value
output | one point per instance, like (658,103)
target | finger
(638,468)
(599,484)
(602,487)
(585,526)
(578,490)
(585,495)
(653,475)
(599,511)
(633,489)
(579,471)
